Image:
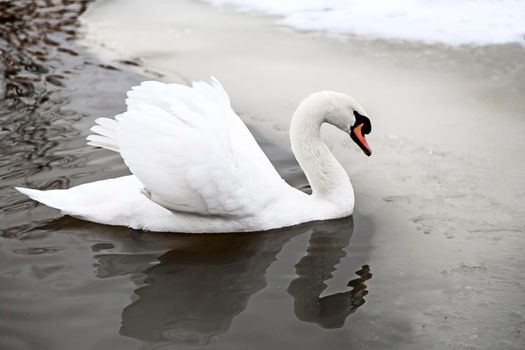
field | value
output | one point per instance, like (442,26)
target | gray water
(371,281)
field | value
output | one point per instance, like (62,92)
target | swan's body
(197,168)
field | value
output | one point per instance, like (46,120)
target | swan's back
(190,150)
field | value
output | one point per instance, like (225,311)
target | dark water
(71,284)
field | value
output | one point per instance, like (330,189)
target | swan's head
(345,113)
(334,108)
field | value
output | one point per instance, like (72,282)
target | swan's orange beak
(359,138)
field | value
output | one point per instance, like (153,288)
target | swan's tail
(59,199)
(105,201)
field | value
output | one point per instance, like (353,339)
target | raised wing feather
(191,151)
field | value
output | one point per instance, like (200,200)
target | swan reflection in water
(192,292)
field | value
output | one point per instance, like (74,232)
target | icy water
(390,277)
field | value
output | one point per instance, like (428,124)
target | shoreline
(482,23)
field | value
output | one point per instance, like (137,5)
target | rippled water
(72,284)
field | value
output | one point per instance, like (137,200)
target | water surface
(431,259)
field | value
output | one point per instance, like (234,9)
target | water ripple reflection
(50,89)
(192,292)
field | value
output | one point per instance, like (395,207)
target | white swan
(197,168)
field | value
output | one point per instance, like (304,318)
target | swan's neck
(328,179)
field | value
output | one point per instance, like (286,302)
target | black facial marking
(365,129)
(361,119)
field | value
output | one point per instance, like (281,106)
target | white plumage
(197,168)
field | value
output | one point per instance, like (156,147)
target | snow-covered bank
(450,22)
